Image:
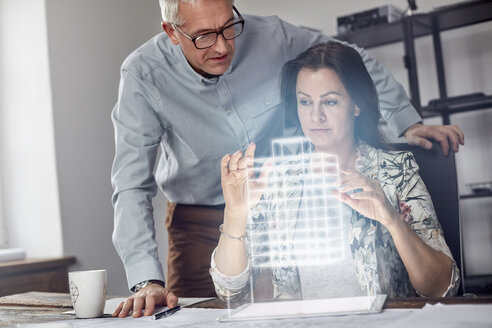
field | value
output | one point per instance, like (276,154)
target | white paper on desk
(207,318)
(449,316)
(186,317)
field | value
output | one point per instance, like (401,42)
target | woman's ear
(357,111)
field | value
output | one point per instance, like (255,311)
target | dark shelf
(480,284)
(449,17)
(429,24)
(477,195)
(458,107)
(379,35)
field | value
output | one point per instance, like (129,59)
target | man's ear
(171,32)
(357,111)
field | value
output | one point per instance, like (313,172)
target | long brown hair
(350,68)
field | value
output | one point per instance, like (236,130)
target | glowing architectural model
(297,200)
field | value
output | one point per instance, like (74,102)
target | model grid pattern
(298,200)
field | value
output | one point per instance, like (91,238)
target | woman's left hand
(367,197)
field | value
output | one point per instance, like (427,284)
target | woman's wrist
(235,221)
(395,223)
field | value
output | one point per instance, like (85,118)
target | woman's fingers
(237,161)
(224,165)
(347,171)
(248,158)
(354,181)
(266,169)
(354,186)
(234,159)
(345,198)
(369,195)
(348,176)
(250,151)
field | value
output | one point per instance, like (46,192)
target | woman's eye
(330,103)
(304,102)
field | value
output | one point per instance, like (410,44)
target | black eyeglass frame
(217,33)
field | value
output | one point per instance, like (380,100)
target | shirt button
(267,103)
(228,111)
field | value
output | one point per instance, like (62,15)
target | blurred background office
(59,74)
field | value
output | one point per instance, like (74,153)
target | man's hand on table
(146,298)
(421,135)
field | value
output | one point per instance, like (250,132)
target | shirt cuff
(150,270)
(403,119)
(454,284)
(232,283)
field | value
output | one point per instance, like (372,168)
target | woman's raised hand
(236,173)
(367,197)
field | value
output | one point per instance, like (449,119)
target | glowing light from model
(297,203)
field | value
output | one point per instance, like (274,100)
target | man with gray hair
(205,87)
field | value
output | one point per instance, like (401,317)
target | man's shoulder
(262,24)
(264,20)
(263,34)
(156,53)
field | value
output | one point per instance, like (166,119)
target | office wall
(27,154)
(467,58)
(88,41)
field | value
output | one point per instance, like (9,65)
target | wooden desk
(47,275)
(15,310)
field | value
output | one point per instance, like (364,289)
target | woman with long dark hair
(390,227)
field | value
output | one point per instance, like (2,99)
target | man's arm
(138,134)
(395,107)
(137,138)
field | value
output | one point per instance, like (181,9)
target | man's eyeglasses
(207,40)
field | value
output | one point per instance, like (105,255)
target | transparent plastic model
(297,226)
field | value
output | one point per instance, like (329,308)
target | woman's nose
(317,114)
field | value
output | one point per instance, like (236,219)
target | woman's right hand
(237,178)
(237,173)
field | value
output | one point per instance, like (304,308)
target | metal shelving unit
(420,25)
(477,195)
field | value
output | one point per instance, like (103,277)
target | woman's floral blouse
(378,266)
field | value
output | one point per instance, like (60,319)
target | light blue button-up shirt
(164,103)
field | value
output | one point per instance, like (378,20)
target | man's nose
(221,45)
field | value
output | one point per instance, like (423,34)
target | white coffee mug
(88,292)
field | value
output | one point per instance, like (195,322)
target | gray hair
(169,10)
